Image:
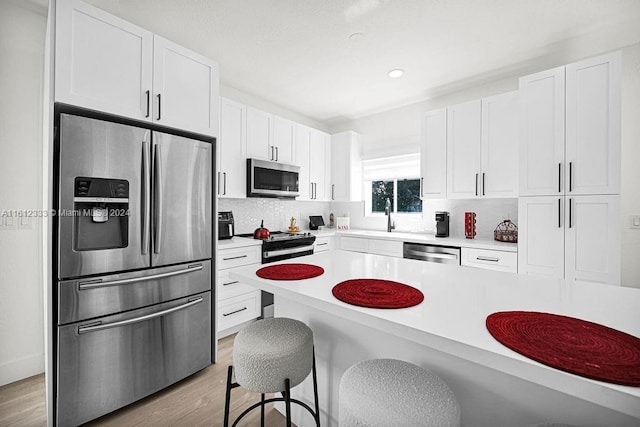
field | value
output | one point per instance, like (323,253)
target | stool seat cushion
(389,392)
(269,351)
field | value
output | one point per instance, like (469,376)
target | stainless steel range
(280,246)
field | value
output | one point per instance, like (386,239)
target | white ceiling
(298,53)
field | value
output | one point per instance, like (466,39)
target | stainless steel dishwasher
(431,253)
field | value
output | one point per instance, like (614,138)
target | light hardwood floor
(194,401)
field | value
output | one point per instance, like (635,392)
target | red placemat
(376,293)
(569,344)
(290,271)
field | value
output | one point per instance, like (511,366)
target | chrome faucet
(387,211)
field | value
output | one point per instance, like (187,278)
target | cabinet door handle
(321,244)
(486,258)
(421,186)
(570,176)
(476,184)
(231,283)
(219,193)
(234,257)
(483,184)
(277,156)
(224,174)
(559,177)
(148,93)
(159,106)
(559,214)
(234,312)
(333,191)
(569,212)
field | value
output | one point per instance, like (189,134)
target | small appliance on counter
(442,224)
(225,225)
(315,221)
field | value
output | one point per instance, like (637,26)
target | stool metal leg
(288,401)
(262,410)
(315,389)
(227,401)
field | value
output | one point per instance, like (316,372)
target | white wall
(22,32)
(398,131)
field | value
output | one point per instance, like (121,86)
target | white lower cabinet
(323,244)
(237,302)
(371,246)
(490,259)
(577,238)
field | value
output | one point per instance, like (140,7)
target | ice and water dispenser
(101,209)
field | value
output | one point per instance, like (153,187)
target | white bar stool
(389,392)
(272,356)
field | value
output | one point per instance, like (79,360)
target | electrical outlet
(635,221)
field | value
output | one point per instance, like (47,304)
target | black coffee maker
(442,224)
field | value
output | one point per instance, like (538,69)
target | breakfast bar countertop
(457,301)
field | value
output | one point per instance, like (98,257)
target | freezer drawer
(101,296)
(108,363)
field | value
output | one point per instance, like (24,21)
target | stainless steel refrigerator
(133,263)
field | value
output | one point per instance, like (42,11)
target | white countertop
(431,239)
(238,242)
(457,301)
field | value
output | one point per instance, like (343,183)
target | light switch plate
(635,221)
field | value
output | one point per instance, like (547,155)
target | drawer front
(323,244)
(490,260)
(237,257)
(228,287)
(354,244)
(385,247)
(236,310)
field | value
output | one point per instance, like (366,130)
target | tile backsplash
(277,213)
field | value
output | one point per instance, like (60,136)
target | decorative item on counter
(470,225)
(342,223)
(293,228)
(506,231)
(331,220)
(315,221)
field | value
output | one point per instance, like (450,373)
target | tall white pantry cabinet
(569,205)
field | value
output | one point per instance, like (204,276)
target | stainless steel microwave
(271,179)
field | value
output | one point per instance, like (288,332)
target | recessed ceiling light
(355,36)
(394,74)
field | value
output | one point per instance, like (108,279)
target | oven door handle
(291,251)
(93,284)
(93,327)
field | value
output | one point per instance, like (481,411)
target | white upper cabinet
(269,137)
(542,133)
(107,64)
(571,147)
(499,146)
(102,62)
(433,155)
(302,155)
(346,174)
(593,125)
(232,149)
(284,135)
(319,152)
(185,87)
(463,150)
(312,155)
(259,134)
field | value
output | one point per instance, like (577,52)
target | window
(394,178)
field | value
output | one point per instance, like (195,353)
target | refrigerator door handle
(93,327)
(157,241)
(146,188)
(93,284)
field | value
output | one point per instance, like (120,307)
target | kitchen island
(446,333)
